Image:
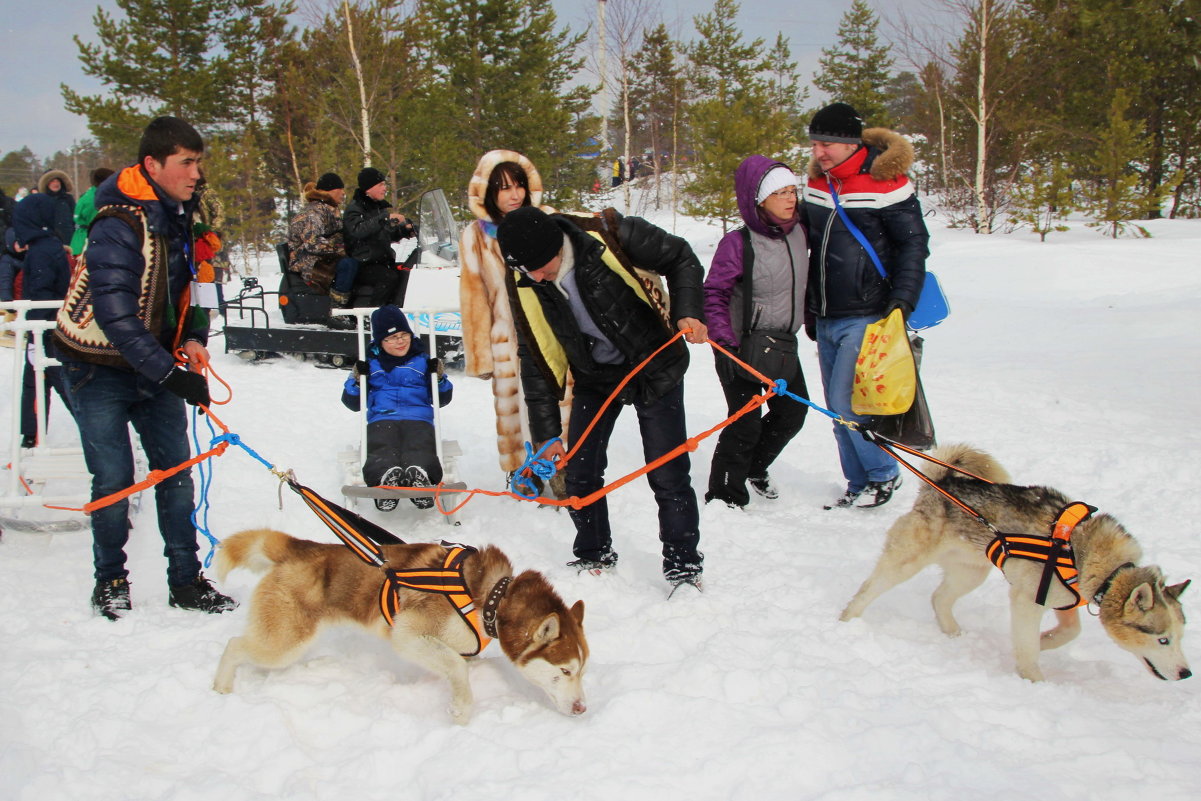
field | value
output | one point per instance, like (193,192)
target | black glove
(361,369)
(436,366)
(188,385)
(811,330)
(905,308)
(727,370)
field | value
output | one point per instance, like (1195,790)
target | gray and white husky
(1137,610)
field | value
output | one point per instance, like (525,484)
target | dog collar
(1099,595)
(492,604)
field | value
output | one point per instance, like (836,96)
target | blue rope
(206,473)
(234,439)
(781,388)
(542,468)
(200,514)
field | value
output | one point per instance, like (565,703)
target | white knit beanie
(776,179)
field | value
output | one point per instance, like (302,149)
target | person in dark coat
(865,169)
(401,445)
(371,228)
(57,185)
(12,261)
(6,212)
(581,305)
(774,245)
(46,275)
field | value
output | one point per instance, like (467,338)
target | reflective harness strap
(445,580)
(1054,551)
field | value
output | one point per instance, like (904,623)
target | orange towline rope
(688,445)
(157,476)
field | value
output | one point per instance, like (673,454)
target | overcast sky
(39,53)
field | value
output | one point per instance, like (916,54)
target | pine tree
(721,65)
(177,57)
(857,69)
(1114,198)
(1044,195)
(503,78)
(733,115)
(19,168)
(658,83)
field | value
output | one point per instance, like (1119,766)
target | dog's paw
(1030,674)
(460,714)
(223,687)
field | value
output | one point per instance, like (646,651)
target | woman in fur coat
(504,180)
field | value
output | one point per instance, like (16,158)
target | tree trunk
(364,120)
(983,217)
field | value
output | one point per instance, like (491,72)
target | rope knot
(543,468)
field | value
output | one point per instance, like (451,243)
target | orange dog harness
(1055,552)
(446,580)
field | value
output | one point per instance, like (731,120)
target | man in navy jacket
(140,267)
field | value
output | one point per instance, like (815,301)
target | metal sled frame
(30,470)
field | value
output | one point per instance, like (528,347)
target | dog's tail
(257,550)
(967,458)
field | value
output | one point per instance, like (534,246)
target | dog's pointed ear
(1175,590)
(577,611)
(1141,599)
(548,630)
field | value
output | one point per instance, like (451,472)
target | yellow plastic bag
(885,378)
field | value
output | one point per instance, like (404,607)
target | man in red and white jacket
(866,169)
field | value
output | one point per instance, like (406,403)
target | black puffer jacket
(369,231)
(631,324)
(879,199)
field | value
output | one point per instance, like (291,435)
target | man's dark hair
(166,136)
(512,171)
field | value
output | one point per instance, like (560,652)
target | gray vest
(780,273)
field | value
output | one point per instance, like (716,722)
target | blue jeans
(663,428)
(107,400)
(838,343)
(344,273)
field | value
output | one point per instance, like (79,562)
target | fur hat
(369,177)
(331,181)
(777,178)
(100,175)
(837,122)
(529,239)
(388,320)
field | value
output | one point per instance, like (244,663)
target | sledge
(438,241)
(252,318)
(448,450)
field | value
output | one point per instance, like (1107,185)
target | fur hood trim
(479,180)
(311,193)
(894,160)
(46,178)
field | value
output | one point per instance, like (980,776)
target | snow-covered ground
(1072,361)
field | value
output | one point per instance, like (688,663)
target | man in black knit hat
(580,304)
(864,172)
(371,227)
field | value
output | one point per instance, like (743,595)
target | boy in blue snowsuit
(401,450)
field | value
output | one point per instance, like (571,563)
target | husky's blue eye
(1164,641)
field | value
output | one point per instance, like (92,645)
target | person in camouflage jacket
(315,240)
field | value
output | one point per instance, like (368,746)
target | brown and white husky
(1138,610)
(309,585)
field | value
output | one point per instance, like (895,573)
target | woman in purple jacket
(774,247)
